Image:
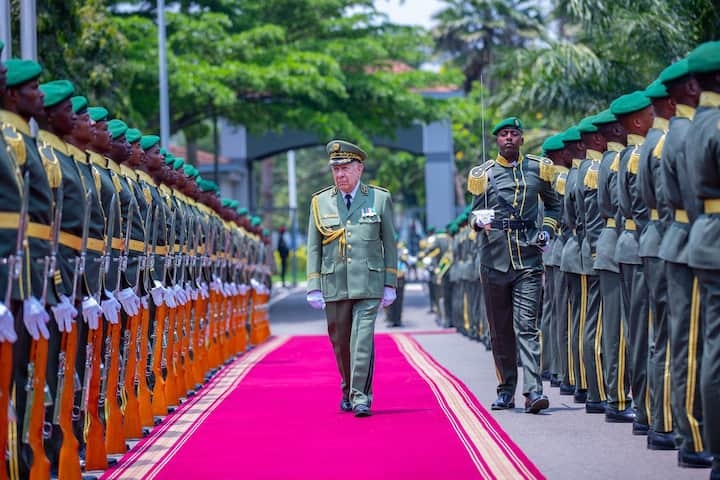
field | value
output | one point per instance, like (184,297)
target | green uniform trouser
(547,357)
(686,351)
(591,329)
(710,374)
(394,311)
(636,316)
(351,326)
(578,299)
(562,314)
(478,315)
(512,300)
(432,291)
(659,361)
(614,347)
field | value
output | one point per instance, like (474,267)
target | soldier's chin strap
(328,234)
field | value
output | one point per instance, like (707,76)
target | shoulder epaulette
(477,178)
(547,169)
(379,188)
(591,176)
(560,183)
(323,189)
(657,151)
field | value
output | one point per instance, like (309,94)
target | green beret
(97,114)
(226,202)
(606,116)
(630,103)
(255,221)
(178,163)
(214,186)
(342,152)
(266,232)
(705,58)
(132,135)
(79,103)
(190,171)
(510,122)
(656,90)
(677,70)
(206,185)
(586,125)
(148,141)
(234,204)
(242,211)
(21,71)
(169,158)
(56,92)
(117,128)
(553,143)
(572,134)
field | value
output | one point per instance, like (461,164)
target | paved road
(565,442)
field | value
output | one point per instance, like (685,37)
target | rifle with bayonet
(131,423)
(192,306)
(183,359)
(209,310)
(158,402)
(200,306)
(165,316)
(114,375)
(93,398)
(65,410)
(14,263)
(174,331)
(35,428)
(144,266)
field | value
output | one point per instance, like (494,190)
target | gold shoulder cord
(328,234)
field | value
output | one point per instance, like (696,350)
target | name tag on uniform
(368,212)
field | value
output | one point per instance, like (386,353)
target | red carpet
(274,414)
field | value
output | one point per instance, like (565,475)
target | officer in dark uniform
(512,257)
(702,156)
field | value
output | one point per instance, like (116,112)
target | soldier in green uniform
(684,312)
(571,264)
(351,265)
(555,310)
(614,349)
(703,155)
(592,224)
(635,112)
(512,268)
(660,435)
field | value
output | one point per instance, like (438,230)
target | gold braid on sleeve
(328,234)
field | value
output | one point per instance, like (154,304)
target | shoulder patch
(538,158)
(379,188)
(477,178)
(323,190)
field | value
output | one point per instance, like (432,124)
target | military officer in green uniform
(507,192)
(660,435)
(703,155)
(351,268)
(684,307)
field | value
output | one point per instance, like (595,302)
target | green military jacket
(571,259)
(608,206)
(703,153)
(351,254)
(677,192)
(554,254)
(634,212)
(593,223)
(10,203)
(521,186)
(650,185)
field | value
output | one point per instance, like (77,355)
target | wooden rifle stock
(69,462)
(114,438)
(144,401)
(170,384)
(40,469)
(159,400)
(131,423)
(95,452)
(187,361)
(177,350)
(198,356)
(5,377)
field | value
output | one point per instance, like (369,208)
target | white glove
(191,293)
(157,292)
(129,301)
(232,289)
(110,308)
(483,217)
(7,325)
(35,318)
(204,293)
(91,312)
(144,302)
(169,298)
(180,295)
(315,300)
(243,288)
(64,313)
(389,296)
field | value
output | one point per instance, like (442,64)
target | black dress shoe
(639,428)
(566,389)
(689,459)
(545,375)
(362,410)
(619,416)
(503,402)
(580,396)
(555,381)
(534,402)
(595,407)
(715,473)
(346,406)
(661,440)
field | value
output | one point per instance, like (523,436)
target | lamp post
(162,59)
(292,204)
